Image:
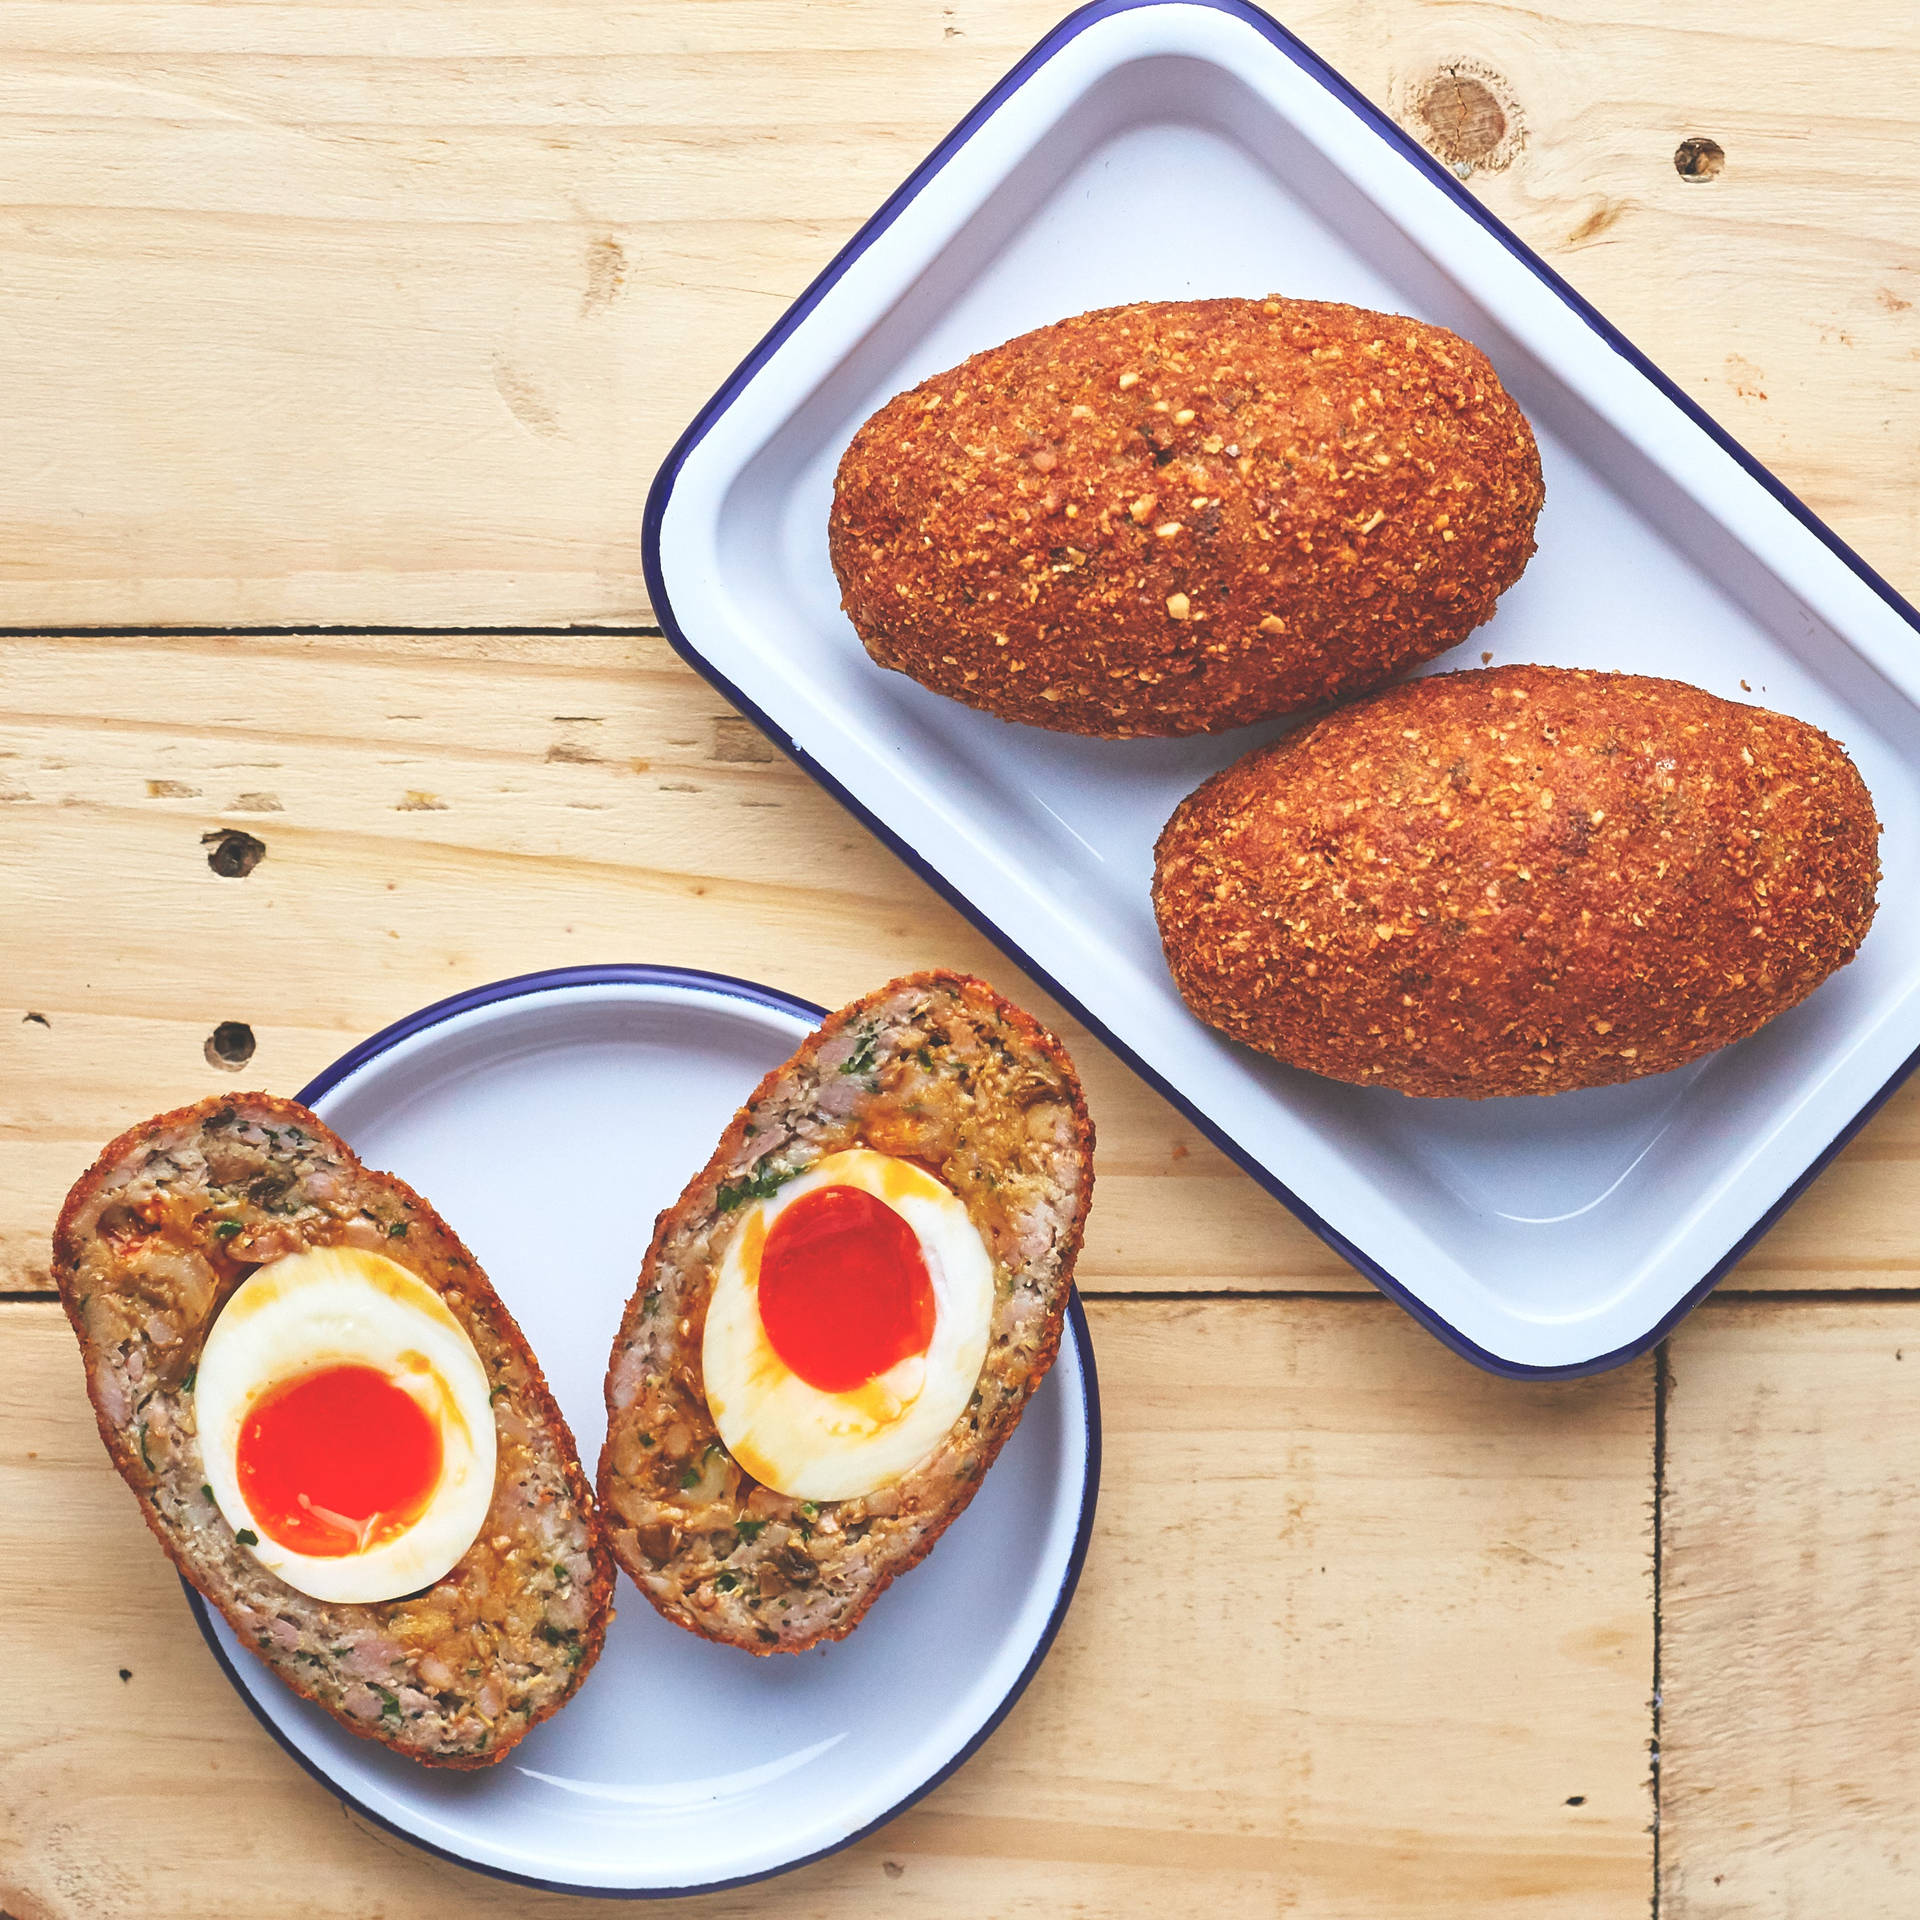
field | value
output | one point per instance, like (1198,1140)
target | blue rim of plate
(1303,57)
(689,979)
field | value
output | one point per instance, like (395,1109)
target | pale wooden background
(361,328)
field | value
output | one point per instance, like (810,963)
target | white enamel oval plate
(550,1119)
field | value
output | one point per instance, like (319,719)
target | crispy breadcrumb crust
(152,1241)
(1522,880)
(936,1068)
(1182,516)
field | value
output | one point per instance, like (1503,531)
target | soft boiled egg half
(847,1326)
(346,1425)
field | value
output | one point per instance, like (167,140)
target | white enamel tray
(550,1118)
(1179,150)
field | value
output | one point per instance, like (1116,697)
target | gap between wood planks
(1352,1296)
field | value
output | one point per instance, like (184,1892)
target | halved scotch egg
(334,1427)
(842,1318)
(345,1425)
(849,1318)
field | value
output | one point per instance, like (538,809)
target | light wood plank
(1858,1225)
(1791,1682)
(438,812)
(408,787)
(388,313)
(1363,1633)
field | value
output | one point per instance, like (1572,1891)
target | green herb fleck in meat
(228,1229)
(749,1530)
(398,1231)
(757,1186)
(861,1059)
(248,1538)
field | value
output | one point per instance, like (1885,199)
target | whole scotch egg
(849,1319)
(345,1424)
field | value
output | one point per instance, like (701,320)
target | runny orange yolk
(338,1460)
(844,1292)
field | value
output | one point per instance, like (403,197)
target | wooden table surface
(338,344)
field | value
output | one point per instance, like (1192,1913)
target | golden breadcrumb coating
(1517,881)
(1184,516)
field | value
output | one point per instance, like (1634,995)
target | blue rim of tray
(1310,63)
(689,979)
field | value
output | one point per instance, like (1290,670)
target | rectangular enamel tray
(1194,148)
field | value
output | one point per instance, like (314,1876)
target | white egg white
(333,1306)
(814,1445)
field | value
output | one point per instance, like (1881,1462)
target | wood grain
(1791,1525)
(442,810)
(438,812)
(339,313)
(1363,1633)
